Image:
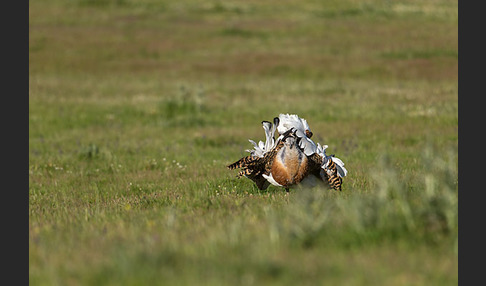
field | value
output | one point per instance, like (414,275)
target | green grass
(136,107)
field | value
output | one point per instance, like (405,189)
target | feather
(269,134)
(306,144)
(289,121)
(276,121)
(304,122)
(321,150)
(258,151)
(342,172)
(271,180)
(263,147)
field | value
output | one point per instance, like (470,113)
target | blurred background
(136,107)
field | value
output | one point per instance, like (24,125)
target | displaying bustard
(290,159)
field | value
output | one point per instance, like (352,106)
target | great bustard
(291,158)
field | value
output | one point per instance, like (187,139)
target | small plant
(185,104)
(89,152)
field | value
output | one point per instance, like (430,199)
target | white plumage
(271,180)
(321,151)
(261,148)
(289,121)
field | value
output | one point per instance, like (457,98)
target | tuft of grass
(183,104)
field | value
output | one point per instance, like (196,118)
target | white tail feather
(289,121)
(269,133)
(263,147)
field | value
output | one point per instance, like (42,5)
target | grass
(136,107)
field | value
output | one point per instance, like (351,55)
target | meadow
(136,108)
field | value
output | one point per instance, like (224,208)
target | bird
(291,158)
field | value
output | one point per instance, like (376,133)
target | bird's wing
(342,172)
(243,162)
(306,144)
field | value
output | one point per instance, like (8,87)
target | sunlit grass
(136,107)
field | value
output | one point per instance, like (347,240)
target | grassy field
(136,107)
